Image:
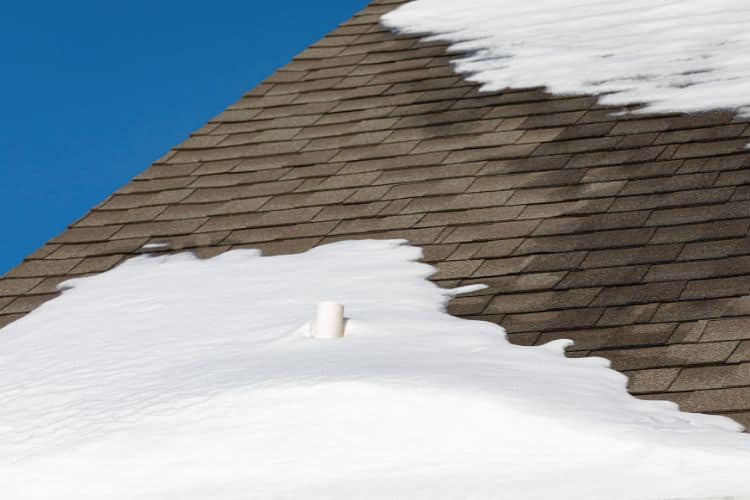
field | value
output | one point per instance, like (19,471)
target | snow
(172,377)
(673,55)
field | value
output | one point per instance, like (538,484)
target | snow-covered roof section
(175,377)
(684,55)
(627,233)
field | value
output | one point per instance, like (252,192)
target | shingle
(628,256)
(551,320)
(10,287)
(674,199)
(162,228)
(355,211)
(470,216)
(489,249)
(741,354)
(636,126)
(207,195)
(526,282)
(712,377)
(727,329)
(456,269)
(728,162)
(632,171)
(419,128)
(687,332)
(97,264)
(624,336)
(26,304)
(375,151)
(555,261)
(201,210)
(541,301)
(319,170)
(604,276)
(265,234)
(601,239)
(667,184)
(376,224)
(367,194)
(526,180)
(340,181)
(43,268)
(104,248)
(490,153)
(546,195)
(189,241)
(286,247)
(493,231)
(50,286)
(126,201)
(716,400)
(694,309)
(714,249)
(627,315)
(716,148)
(4,301)
(424,236)
(489,139)
(44,252)
(692,232)
(701,134)
(669,355)
(156,185)
(578,207)
(587,223)
(441,252)
(86,234)
(699,269)
(527,164)
(261,219)
(284,160)
(426,188)
(463,306)
(375,124)
(499,267)
(636,294)
(653,380)
(456,202)
(316,198)
(605,158)
(116,217)
(577,146)
(237,178)
(346,141)
(719,287)
(543,107)
(414,174)
(730,210)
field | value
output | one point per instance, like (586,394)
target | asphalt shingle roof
(628,234)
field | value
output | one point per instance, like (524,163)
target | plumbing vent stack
(329,323)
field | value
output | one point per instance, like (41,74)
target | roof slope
(626,234)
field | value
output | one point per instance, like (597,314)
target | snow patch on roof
(684,55)
(175,377)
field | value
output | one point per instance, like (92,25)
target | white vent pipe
(329,323)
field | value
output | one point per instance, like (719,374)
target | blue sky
(94,91)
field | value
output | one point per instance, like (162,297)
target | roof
(627,233)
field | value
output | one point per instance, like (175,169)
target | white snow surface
(172,377)
(673,55)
